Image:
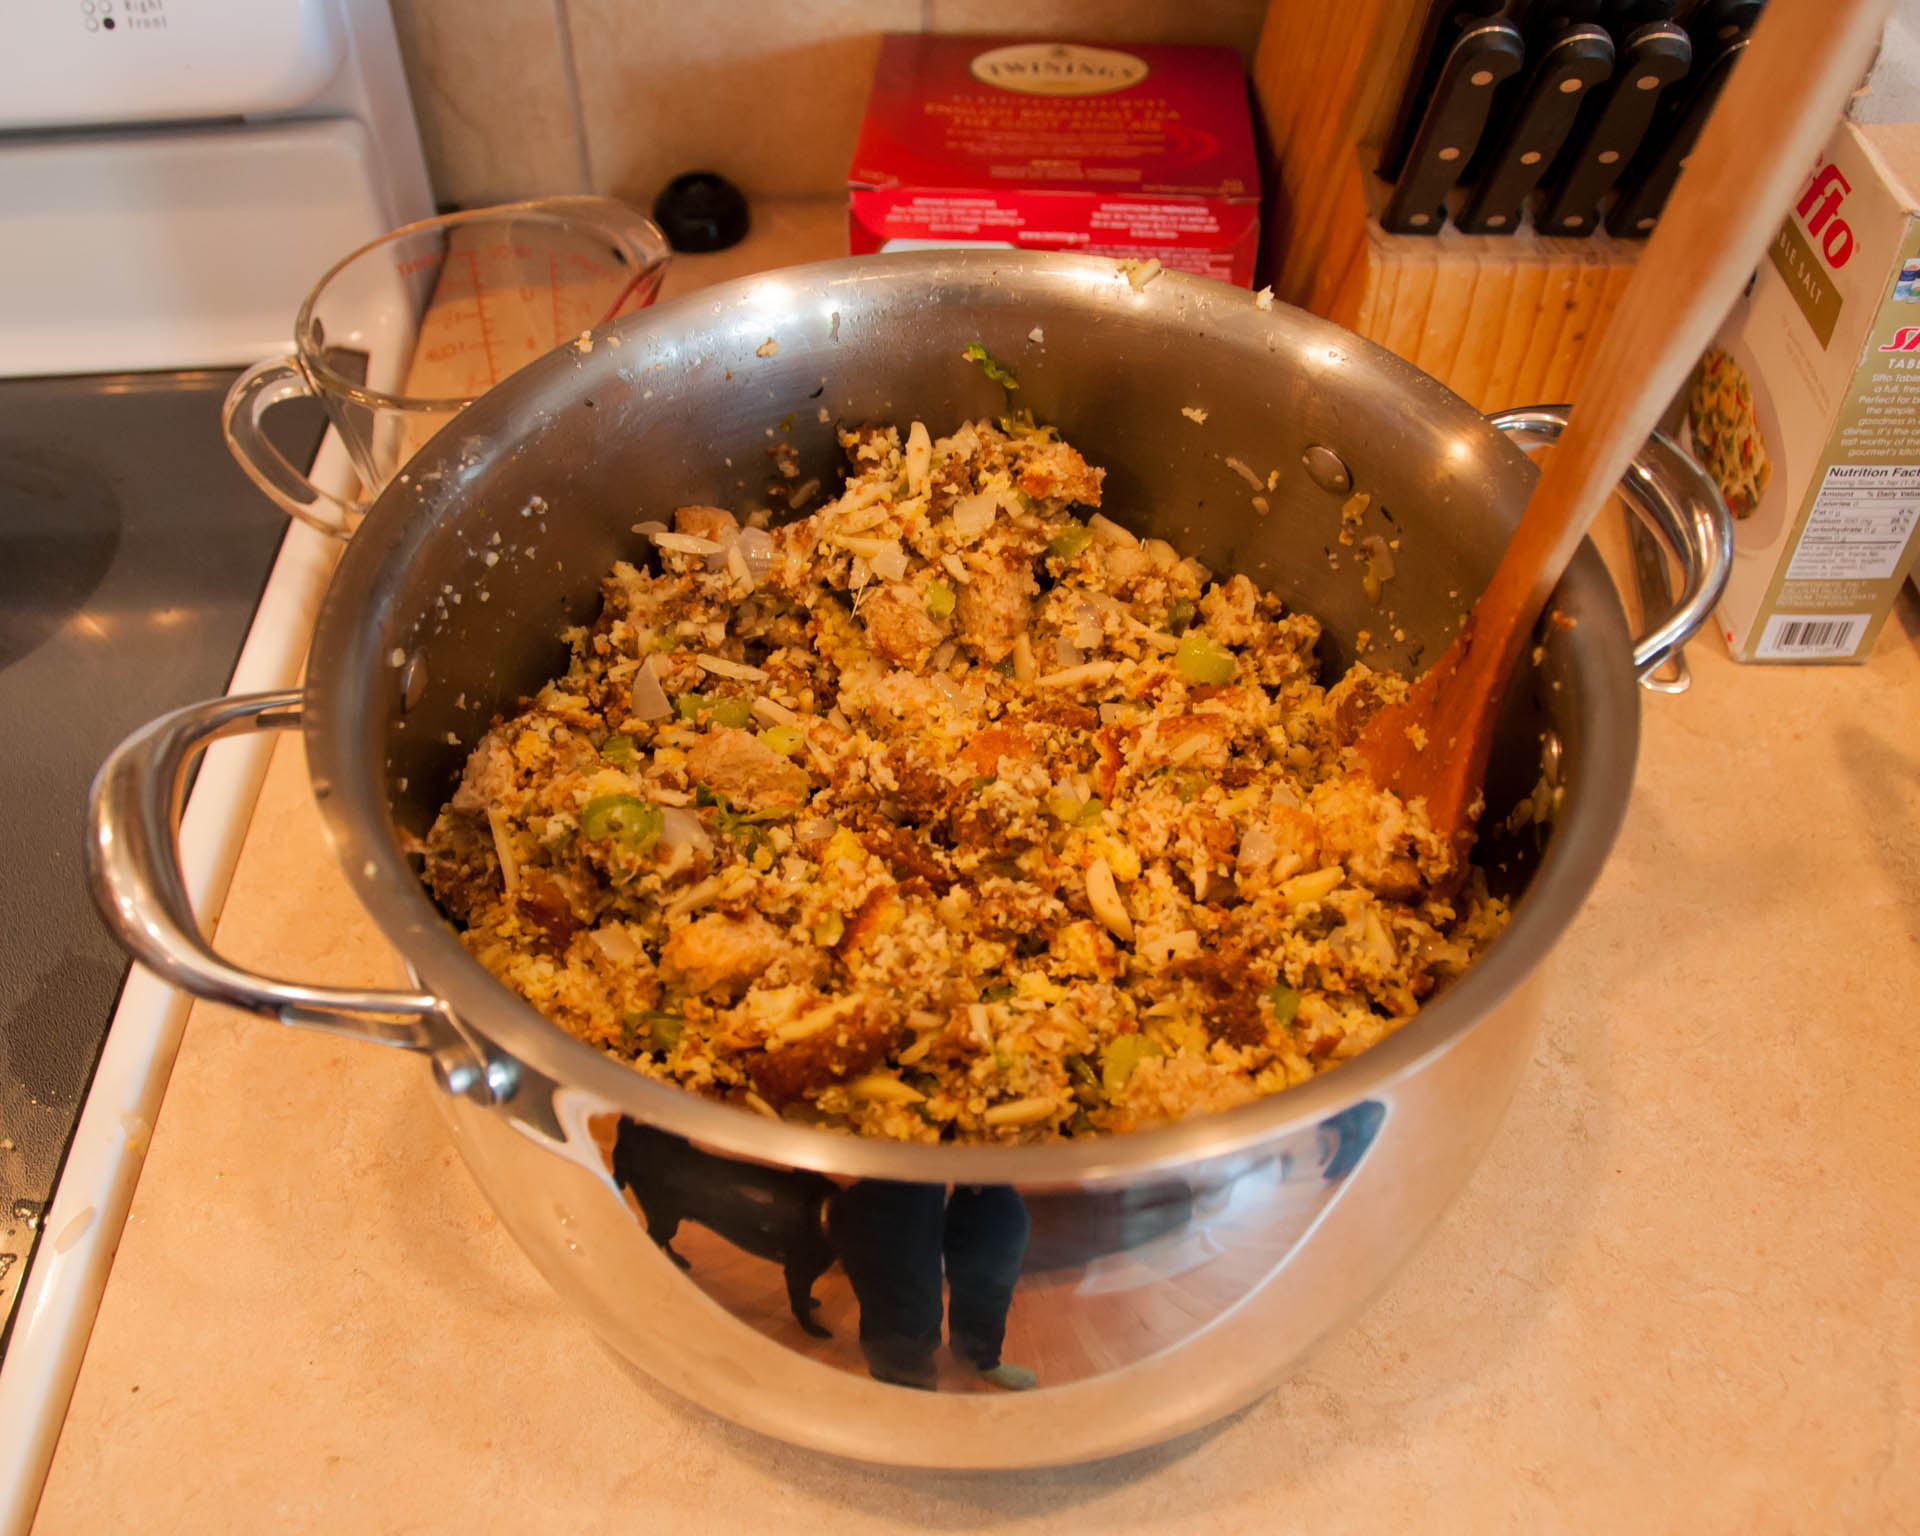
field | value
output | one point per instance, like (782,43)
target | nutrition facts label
(1859,524)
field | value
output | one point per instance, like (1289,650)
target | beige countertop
(1682,1292)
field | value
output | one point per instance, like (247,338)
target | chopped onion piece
(1087,628)
(864,545)
(1106,529)
(757,549)
(680,828)
(889,562)
(973,515)
(947,688)
(1024,669)
(771,713)
(1066,653)
(1257,848)
(650,700)
(617,943)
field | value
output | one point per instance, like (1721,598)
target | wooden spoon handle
(1777,110)
(1775,116)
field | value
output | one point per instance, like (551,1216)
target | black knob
(701,211)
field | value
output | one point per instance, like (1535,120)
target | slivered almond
(686,544)
(719,666)
(1073,677)
(503,849)
(1021,1112)
(1104,897)
(880,1088)
(1313,885)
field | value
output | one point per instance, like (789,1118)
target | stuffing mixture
(952,811)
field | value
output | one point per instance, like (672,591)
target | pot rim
(349,649)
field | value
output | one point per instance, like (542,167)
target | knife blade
(1649,180)
(1446,20)
(1578,58)
(1455,117)
(1656,56)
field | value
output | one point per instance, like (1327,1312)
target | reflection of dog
(772,1213)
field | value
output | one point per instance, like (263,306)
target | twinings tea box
(1140,151)
(1807,409)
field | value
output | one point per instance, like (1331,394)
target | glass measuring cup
(400,335)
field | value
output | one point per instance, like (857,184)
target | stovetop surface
(132,557)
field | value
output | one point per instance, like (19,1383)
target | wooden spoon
(1775,115)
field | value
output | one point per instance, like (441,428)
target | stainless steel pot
(1151,1282)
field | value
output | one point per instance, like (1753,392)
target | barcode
(1791,634)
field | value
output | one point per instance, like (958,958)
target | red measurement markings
(480,307)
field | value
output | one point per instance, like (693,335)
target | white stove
(174,174)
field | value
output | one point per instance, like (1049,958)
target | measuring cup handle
(254,393)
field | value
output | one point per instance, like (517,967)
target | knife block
(1502,320)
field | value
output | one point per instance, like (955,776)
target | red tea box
(1141,150)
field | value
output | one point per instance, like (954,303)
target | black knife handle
(1657,55)
(1649,181)
(1446,20)
(1623,18)
(1580,58)
(1456,116)
(1713,24)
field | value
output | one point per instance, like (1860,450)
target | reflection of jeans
(894,1240)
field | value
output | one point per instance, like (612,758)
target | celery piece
(626,819)
(1118,1058)
(976,352)
(1199,660)
(1070,541)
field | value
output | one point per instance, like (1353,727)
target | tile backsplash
(520,98)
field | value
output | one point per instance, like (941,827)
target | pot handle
(133,865)
(1667,486)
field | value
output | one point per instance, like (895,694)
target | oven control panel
(73,63)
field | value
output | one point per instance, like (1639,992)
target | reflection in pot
(887,1252)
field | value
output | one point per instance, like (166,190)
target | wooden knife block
(1501,320)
